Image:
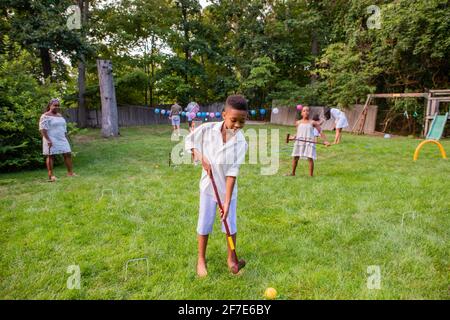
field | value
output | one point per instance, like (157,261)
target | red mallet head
(238,266)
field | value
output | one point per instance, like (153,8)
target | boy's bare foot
(289,175)
(201,269)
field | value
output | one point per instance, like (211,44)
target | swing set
(434,123)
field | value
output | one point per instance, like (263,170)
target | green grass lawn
(310,238)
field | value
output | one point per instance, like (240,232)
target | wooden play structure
(434,123)
(434,98)
(358,127)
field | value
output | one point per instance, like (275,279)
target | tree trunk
(82,118)
(314,50)
(152,70)
(186,42)
(151,84)
(46,62)
(82,111)
(110,119)
(146,83)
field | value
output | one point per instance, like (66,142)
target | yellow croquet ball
(270,293)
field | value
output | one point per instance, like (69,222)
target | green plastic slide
(437,127)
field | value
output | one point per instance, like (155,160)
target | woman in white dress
(53,128)
(340,121)
(305,141)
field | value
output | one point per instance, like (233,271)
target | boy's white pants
(207,214)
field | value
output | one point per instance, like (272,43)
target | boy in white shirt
(221,148)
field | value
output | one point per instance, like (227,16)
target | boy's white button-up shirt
(225,158)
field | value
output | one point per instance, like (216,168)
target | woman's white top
(339,118)
(56,130)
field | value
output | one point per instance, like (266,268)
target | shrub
(22,101)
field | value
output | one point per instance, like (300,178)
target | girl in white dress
(53,128)
(302,147)
(340,121)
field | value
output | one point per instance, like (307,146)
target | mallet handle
(288,138)
(225,223)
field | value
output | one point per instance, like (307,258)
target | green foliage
(262,74)
(309,52)
(411,51)
(284,91)
(319,52)
(413,45)
(174,88)
(130,86)
(22,101)
(348,75)
(41,27)
(289,94)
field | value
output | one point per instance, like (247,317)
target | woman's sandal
(52,179)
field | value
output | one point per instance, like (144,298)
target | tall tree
(82,112)
(40,26)
(182,63)
(134,33)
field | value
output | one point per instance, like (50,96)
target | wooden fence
(288,116)
(131,115)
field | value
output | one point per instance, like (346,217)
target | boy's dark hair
(327,113)
(316,117)
(237,102)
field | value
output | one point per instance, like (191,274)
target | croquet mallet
(239,264)
(288,138)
